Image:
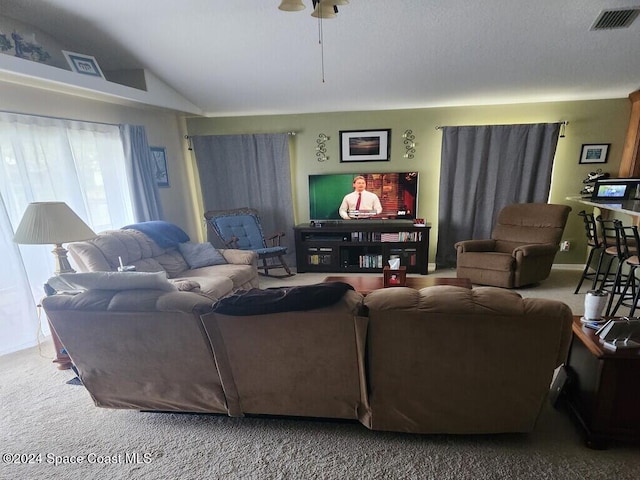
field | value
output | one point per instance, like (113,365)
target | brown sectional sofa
(439,360)
(103,254)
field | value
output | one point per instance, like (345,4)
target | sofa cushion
(503,262)
(132,246)
(200,254)
(111,281)
(240,275)
(212,286)
(172,262)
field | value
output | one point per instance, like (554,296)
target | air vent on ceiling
(617,18)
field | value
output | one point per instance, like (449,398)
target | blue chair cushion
(271,251)
(244,227)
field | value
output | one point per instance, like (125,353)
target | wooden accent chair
(241,228)
(521,249)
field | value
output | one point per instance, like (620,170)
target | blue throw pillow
(200,254)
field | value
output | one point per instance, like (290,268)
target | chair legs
(266,266)
(284,265)
(595,274)
(617,287)
(631,282)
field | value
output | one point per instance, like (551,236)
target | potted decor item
(594,303)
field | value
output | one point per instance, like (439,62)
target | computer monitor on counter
(617,189)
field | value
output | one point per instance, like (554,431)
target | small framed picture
(592,153)
(84,64)
(365,145)
(159,165)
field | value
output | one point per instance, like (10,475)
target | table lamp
(52,222)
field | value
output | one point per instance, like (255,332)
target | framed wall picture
(159,165)
(84,64)
(594,153)
(365,145)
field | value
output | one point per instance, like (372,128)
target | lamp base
(62,263)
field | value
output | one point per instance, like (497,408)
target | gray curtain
(485,168)
(250,170)
(144,190)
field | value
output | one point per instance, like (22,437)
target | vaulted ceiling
(245,57)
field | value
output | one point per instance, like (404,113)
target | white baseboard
(558,266)
(568,266)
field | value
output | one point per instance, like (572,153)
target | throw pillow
(111,281)
(282,299)
(186,285)
(200,254)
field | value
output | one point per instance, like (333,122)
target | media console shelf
(362,246)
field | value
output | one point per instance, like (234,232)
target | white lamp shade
(324,10)
(338,2)
(51,223)
(291,5)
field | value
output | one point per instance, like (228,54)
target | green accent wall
(590,122)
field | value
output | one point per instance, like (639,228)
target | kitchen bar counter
(630,207)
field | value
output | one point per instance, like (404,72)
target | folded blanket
(283,299)
(165,234)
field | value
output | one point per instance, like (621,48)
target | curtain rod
(190,145)
(60,118)
(292,133)
(440,127)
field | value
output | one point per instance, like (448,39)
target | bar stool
(610,253)
(626,246)
(595,247)
(629,241)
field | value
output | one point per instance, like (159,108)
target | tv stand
(361,246)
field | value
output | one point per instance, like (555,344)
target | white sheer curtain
(44,159)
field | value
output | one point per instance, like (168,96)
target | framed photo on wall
(84,64)
(159,165)
(365,145)
(594,153)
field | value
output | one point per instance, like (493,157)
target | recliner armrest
(537,249)
(476,246)
(239,257)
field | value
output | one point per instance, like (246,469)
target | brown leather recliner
(521,250)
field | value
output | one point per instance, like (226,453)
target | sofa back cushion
(301,363)
(527,223)
(453,360)
(133,247)
(140,349)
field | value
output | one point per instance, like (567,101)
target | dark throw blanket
(283,299)
(165,234)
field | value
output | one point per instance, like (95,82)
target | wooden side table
(603,388)
(367,284)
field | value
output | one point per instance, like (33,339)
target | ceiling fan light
(338,2)
(324,10)
(291,5)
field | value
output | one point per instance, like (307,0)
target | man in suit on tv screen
(360,203)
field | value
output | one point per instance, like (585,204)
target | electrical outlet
(565,245)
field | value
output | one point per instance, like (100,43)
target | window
(45,159)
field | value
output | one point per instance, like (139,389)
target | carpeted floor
(42,415)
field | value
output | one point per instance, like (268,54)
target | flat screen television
(397,191)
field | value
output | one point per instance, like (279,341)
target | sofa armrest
(475,246)
(535,250)
(239,257)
